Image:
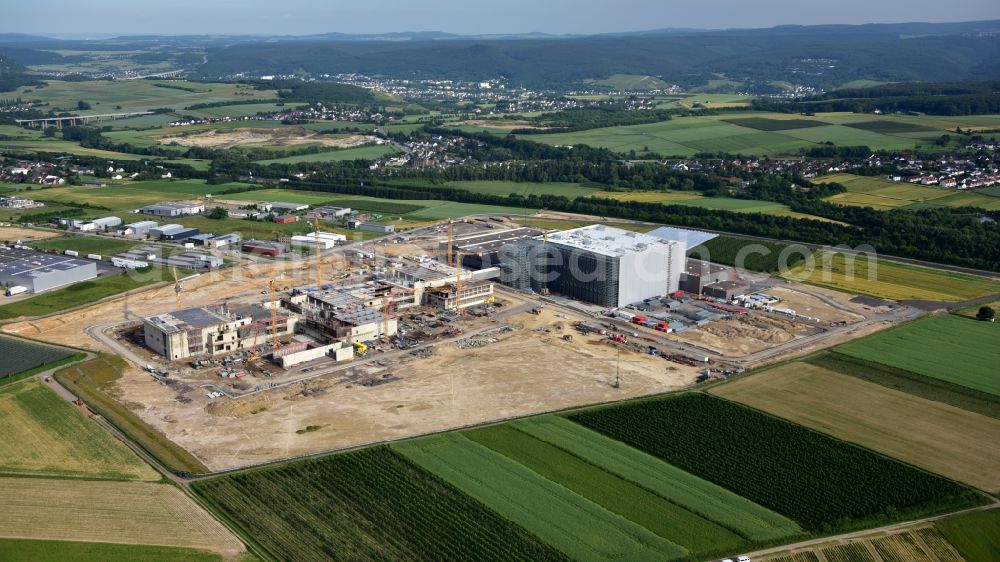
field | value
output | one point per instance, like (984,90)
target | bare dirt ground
(13,233)
(527,371)
(265,137)
(745,334)
(808,304)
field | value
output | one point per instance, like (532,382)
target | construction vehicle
(360,348)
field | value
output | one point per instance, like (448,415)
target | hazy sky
(170,17)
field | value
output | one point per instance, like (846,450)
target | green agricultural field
(92,381)
(946,347)
(610,491)
(890,127)
(774,463)
(911,383)
(44,435)
(578,527)
(878,418)
(135,95)
(369,152)
(23,355)
(875,192)
(685,136)
(757,255)
(558,224)
(101,245)
(61,147)
(124,197)
(632,82)
(26,550)
(504,188)
(243,110)
(712,502)
(766,124)
(890,280)
(975,535)
(366,505)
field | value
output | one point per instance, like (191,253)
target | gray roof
(29,263)
(606,240)
(690,237)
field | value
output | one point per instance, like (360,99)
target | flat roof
(189,318)
(699,267)
(173,205)
(606,240)
(29,263)
(690,237)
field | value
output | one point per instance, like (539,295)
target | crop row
(366,505)
(818,481)
(20,355)
(686,490)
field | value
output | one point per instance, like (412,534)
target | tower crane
(451,240)
(177,289)
(319,265)
(458,283)
(274,315)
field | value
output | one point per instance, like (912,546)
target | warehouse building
(214,331)
(330,212)
(173,232)
(287,207)
(597,264)
(263,248)
(138,229)
(101,225)
(372,227)
(327,240)
(173,209)
(40,272)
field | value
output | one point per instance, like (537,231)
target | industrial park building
(173,232)
(194,332)
(597,264)
(101,225)
(41,272)
(327,240)
(173,209)
(138,229)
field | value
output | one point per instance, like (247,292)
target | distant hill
(824,56)
(12,74)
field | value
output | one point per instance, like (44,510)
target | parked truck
(16,290)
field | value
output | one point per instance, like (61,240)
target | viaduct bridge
(69,120)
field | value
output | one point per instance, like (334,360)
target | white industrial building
(101,224)
(327,240)
(39,272)
(173,209)
(597,264)
(138,229)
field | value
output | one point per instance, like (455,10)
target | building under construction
(481,249)
(215,331)
(597,264)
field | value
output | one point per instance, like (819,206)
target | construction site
(415,333)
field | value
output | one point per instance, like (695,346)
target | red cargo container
(638,319)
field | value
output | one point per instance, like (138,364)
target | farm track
(995,504)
